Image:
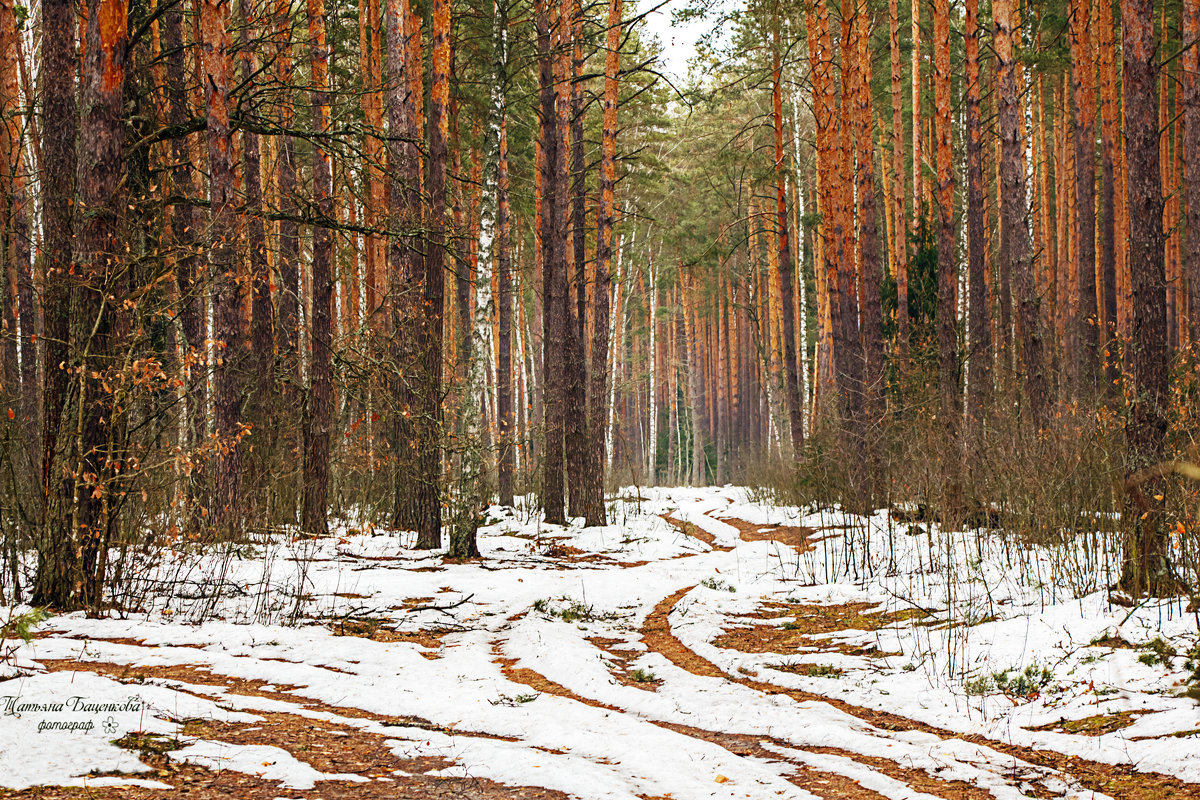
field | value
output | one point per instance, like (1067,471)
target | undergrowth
(570,610)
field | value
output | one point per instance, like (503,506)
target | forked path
(607,679)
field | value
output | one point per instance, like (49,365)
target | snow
(36,709)
(270,614)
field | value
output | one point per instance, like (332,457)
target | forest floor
(707,644)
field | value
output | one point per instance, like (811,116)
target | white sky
(679,42)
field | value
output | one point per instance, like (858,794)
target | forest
(873,317)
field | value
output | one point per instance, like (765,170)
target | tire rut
(328,746)
(1122,782)
(823,783)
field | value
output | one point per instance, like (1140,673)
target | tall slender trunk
(479,343)
(849,355)
(870,273)
(98,252)
(1190,101)
(1003,280)
(786,276)
(405,259)
(189,267)
(1146,556)
(1083,74)
(224,250)
(947,306)
(56,79)
(262,312)
(899,243)
(1061,300)
(27,313)
(462,271)
(429,418)
(504,367)
(318,416)
(655,384)
(553,277)
(917,166)
(979,382)
(370,65)
(598,391)
(695,368)
(288,257)
(843,355)
(14,240)
(1014,258)
(574,176)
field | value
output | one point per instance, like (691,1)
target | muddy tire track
(1120,781)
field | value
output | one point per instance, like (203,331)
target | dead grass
(807,623)
(1095,725)
(810,670)
(617,662)
(695,531)
(1113,641)
(379,630)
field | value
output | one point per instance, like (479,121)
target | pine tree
(318,416)
(979,376)
(1014,257)
(1145,557)
(54,583)
(224,248)
(598,390)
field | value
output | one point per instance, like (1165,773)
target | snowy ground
(704,645)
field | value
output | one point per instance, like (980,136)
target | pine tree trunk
(553,241)
(427,489)
(947,307)
(318,417)
(405,259)
(870,270)
(917,165)
(1145,567)
(1083,74)
(571,98)
(1014,258)
(504,367)
(53,584)
(288,258)
(223,259)
(979,377)
(1111,206)
(1062,280)
(479,345)
(262,319)
(899,242)
(848,350)
(98,254)
(598,391)
(695,368)
(1190,103)
(829,265)
(14,246)
(506,459)
(190,278)
(369,60)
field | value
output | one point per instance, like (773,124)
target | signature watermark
(77,714)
